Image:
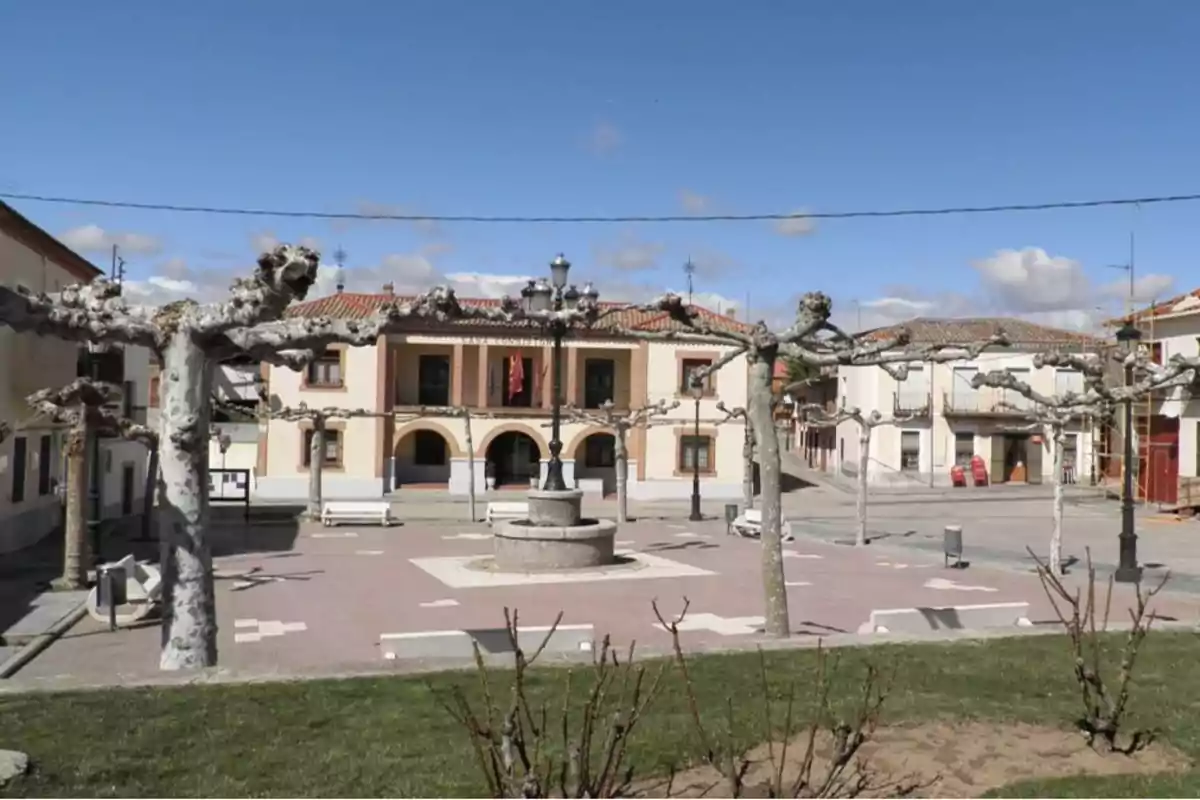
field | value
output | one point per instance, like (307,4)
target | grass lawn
(390,737)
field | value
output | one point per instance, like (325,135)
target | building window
(1070,448)
(433,381)
(964,448)
(1156,352)
(689,366)
(326,371)
(599,451)
(429,449)
(44,487)
(127,400)
(333,447)
(910,451)
(599,380)
(693,451)
(964,396)
(18,469)
(154,382)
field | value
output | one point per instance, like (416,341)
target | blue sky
(621,107)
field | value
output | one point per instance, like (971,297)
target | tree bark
(758,413)
(75,541)
(470,466)
(748,457)
(621,468)
(1056,533)
(150,491)
(316,464)
(864,461)
(189,629)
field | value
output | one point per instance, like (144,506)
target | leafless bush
(521,754)
(1105,703)
(830,764)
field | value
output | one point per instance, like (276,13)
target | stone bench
(460,644)
(143,589)
(506,510)
(337,511)
(749,524)
(942,618)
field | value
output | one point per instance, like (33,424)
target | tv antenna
(689,269)
(339,274)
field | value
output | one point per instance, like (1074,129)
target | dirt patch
(945,759)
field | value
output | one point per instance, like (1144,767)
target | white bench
(942,618)
(506,510)
(749,524)
(143,589)
(461,643)
(337,511)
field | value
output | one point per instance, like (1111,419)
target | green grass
(389,736)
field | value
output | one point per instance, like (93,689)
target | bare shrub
(1105,703)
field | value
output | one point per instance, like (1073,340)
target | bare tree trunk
(75,542)
(748,476)
(149,492)
(758,412)
(470,466)
(621,468)
(864,461)
(316,464)
(1056,533)
(189,628)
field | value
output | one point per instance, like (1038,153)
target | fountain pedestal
(554,537)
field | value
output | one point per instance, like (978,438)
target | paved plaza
(300,597)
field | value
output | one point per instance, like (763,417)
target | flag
(516,375)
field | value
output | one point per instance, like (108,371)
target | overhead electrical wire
(668,218)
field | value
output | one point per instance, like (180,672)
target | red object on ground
(978,471)
(958,475)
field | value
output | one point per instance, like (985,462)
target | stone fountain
(554,537)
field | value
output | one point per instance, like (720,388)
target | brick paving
(316,598)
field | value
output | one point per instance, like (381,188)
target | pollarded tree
(867,423)
(621,424)
(812,340)
(747,450)
(187,339)
(81,407)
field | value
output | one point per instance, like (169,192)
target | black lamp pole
(696,516)
(1128,570)
(557,296)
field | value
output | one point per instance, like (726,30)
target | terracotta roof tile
(348,305)
(1021,333)
(1163,308)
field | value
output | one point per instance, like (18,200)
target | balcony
(999,404)
(911,404)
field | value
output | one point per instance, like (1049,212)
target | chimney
(389,288)
(731,313)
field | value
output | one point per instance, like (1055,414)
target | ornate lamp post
(696,516)
(1128,570)
(556,295)
(224,440)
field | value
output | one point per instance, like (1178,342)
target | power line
(347,215)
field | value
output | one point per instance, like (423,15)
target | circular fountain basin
(521,546)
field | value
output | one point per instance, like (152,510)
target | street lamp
(540,297)
(697,393)
(1128,570)
(224,440)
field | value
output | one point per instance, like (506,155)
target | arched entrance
(422,458)
(513,459)
(596,458)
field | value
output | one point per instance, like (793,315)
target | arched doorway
(513,459)
(422,458)
(596,458)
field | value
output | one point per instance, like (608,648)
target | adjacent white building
(952,422)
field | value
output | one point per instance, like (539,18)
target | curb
(43,640)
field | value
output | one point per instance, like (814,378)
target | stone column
(571,395)
(481,400)
(456,376)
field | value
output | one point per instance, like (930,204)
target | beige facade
(510,430)
(31,460)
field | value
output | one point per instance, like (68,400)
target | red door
(1158,462)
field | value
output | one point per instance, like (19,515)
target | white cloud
(796,226)
(694,203)
(1146,289)
(604,138)
(94,239)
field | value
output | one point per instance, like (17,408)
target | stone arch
(513,427)
(581,437)
(452,444)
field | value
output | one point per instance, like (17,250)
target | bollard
(952,545)
(110,591)
(731,513)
